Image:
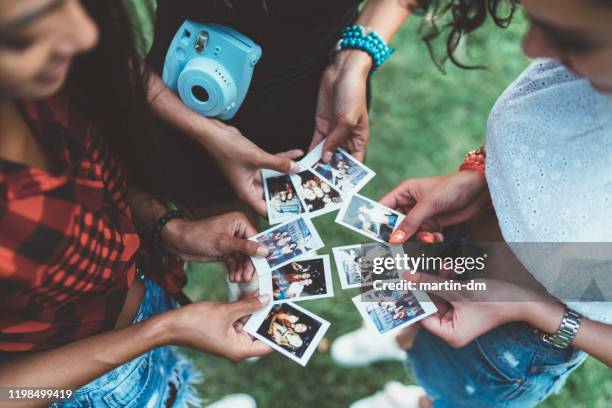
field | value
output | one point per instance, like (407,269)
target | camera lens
(200,93)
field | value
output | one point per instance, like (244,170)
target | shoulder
(546,98)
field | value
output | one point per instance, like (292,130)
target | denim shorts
(510,366)
(159,378)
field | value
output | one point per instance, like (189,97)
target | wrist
(157,331)
(545,315)
(173,234)
(351,60)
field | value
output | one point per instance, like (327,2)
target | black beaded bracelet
(161,223)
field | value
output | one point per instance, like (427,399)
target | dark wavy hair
(456,18)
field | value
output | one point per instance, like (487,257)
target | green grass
(422,122)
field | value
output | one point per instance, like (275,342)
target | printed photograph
(286,242)
(388,311)
(369,218)
(282,200)
(355,266)
(318,195)
(344,172)
(289,329)
(303,279)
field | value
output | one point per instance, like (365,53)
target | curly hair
(456,18)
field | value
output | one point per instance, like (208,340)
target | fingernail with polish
(327,156)
(429,239)
(264,299)
(262,251)
(398,237)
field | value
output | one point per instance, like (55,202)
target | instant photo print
(288,329)
(347,174)
(286,242)
(369,218)
(390,311)
(282,200)
(317,194)
(303,279)
(355,264)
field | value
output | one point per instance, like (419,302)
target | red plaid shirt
(67,242)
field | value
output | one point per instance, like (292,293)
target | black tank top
(296,36)
(278,112)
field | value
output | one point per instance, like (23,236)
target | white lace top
(549,170)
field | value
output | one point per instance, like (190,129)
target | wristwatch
(566,332)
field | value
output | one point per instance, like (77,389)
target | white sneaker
(365,346)
(394,395)
(234,401)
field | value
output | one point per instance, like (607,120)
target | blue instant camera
(210,67)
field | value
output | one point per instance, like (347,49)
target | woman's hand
(465,315)
(434,202)
(241,161)
(215,328)
(342,115)
(221,238)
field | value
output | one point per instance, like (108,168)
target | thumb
(334,140)
(230,244)
(247,307)
(282,164)
(433,284)
(412,222)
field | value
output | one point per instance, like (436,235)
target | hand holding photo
(303,279)
(286,242)
(390,311)
(369,218)
(289,329)
(282,200)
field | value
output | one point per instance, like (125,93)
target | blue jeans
(159,378)
(509,366)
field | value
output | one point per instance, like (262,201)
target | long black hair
(456,18)
(109,87)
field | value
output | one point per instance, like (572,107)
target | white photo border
(266,287)
(424,300)
(261,264)
(347,203)
(258,318)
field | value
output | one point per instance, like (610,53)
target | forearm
(169,107)
(146,209)
(78,363)
(593,337)
(385,16)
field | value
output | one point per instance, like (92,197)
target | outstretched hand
(341,117)
(464,315)
(435,202)
(216,328)
(242,161)
(221,238)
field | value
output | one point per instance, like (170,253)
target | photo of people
(286,242)
(317,195)
(369,218)
(388,311)
(289,329)
(344,172)
(355,264)
(299,280)
(282,200)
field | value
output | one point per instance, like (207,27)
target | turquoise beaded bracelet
(367,40)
